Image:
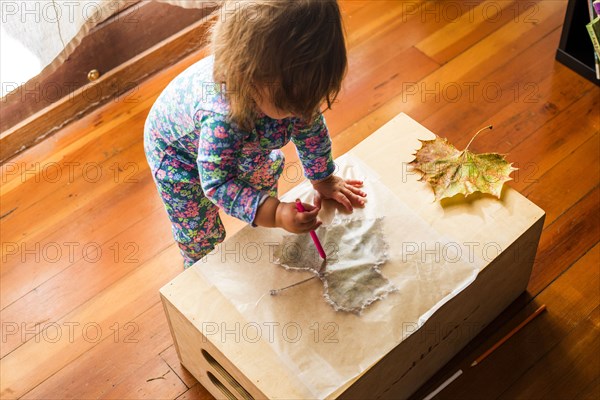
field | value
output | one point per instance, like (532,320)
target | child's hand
(272,213)
(290,219)
(345,192)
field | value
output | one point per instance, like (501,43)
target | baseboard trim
(87,98)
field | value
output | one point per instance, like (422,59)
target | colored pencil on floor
(509,335)
(443,385)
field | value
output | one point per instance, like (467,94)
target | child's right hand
(290,219)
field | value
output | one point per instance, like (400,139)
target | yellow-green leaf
(450,171)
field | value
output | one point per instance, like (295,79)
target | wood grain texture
(565,369)
(398,52)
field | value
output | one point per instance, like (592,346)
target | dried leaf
(450,171)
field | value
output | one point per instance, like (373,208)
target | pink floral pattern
(201,161)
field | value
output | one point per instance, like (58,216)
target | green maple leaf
(450,171)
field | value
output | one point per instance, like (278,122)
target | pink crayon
(313,235)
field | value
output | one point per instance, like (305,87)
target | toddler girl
(212,138)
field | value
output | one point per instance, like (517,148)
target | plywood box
(242,343)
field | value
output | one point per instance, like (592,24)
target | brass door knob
(93,75)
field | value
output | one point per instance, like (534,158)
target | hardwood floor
(86,243)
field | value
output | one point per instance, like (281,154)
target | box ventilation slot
(227,376)
(220,386)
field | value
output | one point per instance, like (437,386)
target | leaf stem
(471,141)
(275,292)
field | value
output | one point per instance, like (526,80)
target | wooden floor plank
(384,63)
(563,185)
(566,368)
(467,26)
(572,234)
(152,380)
(380,64)
(517,104)
(109,214)
(590,391)
(111,362)
(78,195)
(383,83)
(367,21)
(85,147)
(61,294)
(382,44)
(537,106)
(169,355)
(118,304)
(553,141)
(197,392)
(349,7)
(470,66)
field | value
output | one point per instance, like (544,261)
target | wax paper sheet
(322,347)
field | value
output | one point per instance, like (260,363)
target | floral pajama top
(189,141)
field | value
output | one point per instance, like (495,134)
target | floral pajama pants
(196,225)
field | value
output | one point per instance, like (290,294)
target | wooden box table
(242,343)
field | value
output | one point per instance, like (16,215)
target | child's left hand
(345,192)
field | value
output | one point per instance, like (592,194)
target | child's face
(266,106)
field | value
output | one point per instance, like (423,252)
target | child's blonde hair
(296,48)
